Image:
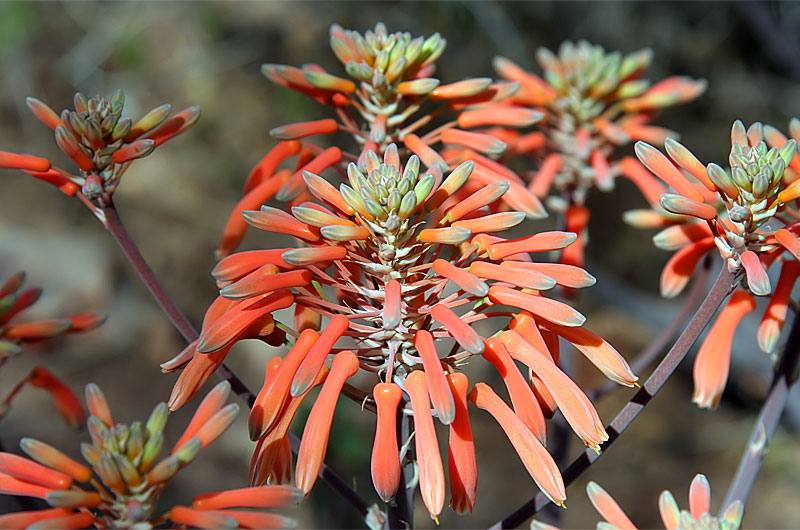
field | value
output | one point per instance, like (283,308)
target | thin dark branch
(767,422)
(719,292)
(114,224)
(652,350)
(400,513)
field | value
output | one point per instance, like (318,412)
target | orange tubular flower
(393,278)
(100,142)
(674,518)
(127,479)
(748,212)
(595,102)
(13,301)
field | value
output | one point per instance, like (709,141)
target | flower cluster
(13,301)
(594,102)
(747,213)
(102,143)
(125,479)
(400,261)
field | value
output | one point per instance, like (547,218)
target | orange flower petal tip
(301,257)
(24,162)
(27,470)
(608,507)
(680,205)
(541,242)
(313,361)
(663,168)
(462,278)
(295,131)
(438,388)
(466,337)
(549,309)
(699,497)
(199,519)
(55,459)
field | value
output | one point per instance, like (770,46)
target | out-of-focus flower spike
(757,278)
(789,241)
(699,496)
(608,508)
(314,359)
(211,404)
(462,278)
(549,309)
(318,426)
(385,461)
(687,161)
(438,388)
(240,264)
(577,218)
(13,486)
(534,456)
(273,395)
(775,315)
(429,460)
(483,143)
(576,407)
(466,337)
(254,497)
(678,236)
(35,473)
(13,521)
(174,126)
(45,114)
(444,236)
(462,463)
(98,405)
(513,273)
(681,265)
(23,162)
(541,242)
(533,89)
(236,226)
(296,131)
(230,326)
(295,185)
(712,363)
(55,459)
(503,116)
(426,154)
(542,181)
(522,397)
(65,399)
(268,165)
(301,257)
(602,171)
(680,205)
(663,168)
(201,519)
(249,287)
(72,521)
(650,187)
(277,221)
(22,300)
(599,352)
(669,511)
(392,309)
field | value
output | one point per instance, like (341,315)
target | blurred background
(176,201)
